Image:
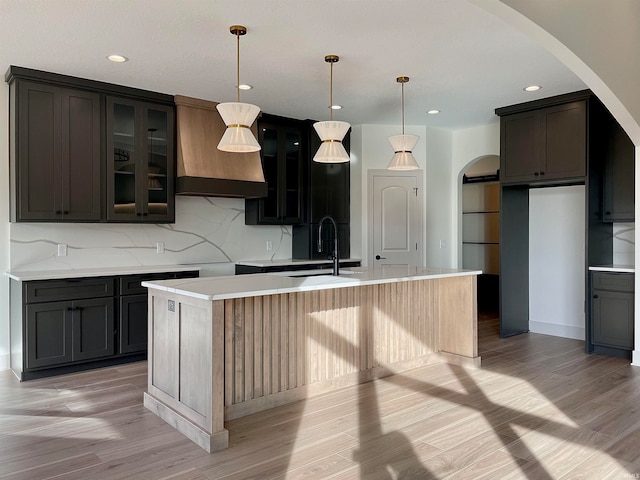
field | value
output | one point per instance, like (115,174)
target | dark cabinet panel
(612,304)
(48,334)
(544,145)
(68,289)
(619,177)
(70,331)
(282,141)
(133,323)
(140,161)
(57,160)
(93,328)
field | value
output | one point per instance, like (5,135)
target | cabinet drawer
(131,284)
(69,289)
(619,282)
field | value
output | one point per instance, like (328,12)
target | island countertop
(240,286)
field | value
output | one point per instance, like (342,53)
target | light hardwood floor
(539,408)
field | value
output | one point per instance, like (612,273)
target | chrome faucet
(334,256)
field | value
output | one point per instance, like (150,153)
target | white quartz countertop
(24,276)
(239,286)
(613,268)
(289,262)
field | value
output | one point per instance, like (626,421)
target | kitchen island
(225,347)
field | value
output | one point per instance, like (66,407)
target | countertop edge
(613,268)
(182,287)
(25,276)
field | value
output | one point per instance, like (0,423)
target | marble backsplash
(624,243)
(209,231)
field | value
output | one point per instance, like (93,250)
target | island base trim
(461,360)
(211,442)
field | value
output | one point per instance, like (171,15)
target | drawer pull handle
(595,296)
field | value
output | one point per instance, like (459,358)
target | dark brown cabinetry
(326,192)
(612,310)
(60,326)
(545,145)
(72,328)
(55,159)
(282,154)
(87,151)
(618,190)
(140,161)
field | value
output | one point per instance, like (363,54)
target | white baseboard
(566,331)
(4,362)
(635,358)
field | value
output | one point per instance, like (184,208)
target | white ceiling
(461,60)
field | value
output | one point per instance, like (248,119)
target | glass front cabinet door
(140,161)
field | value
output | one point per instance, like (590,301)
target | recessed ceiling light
(118,58)
(244,86)
(433,112)
(532,88)
(336,107)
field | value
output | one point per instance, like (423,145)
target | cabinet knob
(541,173)
(595,296)
(58,212)
(139,214)
(536,174)
(66,212)
(607,213)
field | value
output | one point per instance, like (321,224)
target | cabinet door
(38,153)
(81,161)
(619,177)
(140,162)
(133,323)
(612,319)
(565,141)
(58,154)
(48,334)
(93,328)
(290,171)
(268,207)
(519,147)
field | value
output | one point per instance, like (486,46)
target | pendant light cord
(331,91)
(402,85)
(238,64)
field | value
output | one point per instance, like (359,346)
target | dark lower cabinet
(61,326)
(612,310)
(133,324)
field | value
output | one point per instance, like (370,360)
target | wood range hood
(202,169)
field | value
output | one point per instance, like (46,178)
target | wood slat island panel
(239,356)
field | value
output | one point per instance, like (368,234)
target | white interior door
(396,218)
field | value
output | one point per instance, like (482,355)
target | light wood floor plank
(539,408)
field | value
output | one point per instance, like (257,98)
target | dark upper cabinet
(618,190)
(140,161)
(55,159)
(544,145)
(87,151)
(282,154)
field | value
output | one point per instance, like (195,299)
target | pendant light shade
(331,149)
(403,159)
(237,116)
(332,132)
(403,145)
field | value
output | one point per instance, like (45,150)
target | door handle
(378,257)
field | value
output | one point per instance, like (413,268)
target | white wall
(468,145)
(4,227)
(370,149)
(556,261)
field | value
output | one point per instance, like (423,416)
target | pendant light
(403,144)
(238,117)
(332,132)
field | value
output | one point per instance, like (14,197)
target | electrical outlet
(160,247)
(62,249)
(269,245)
